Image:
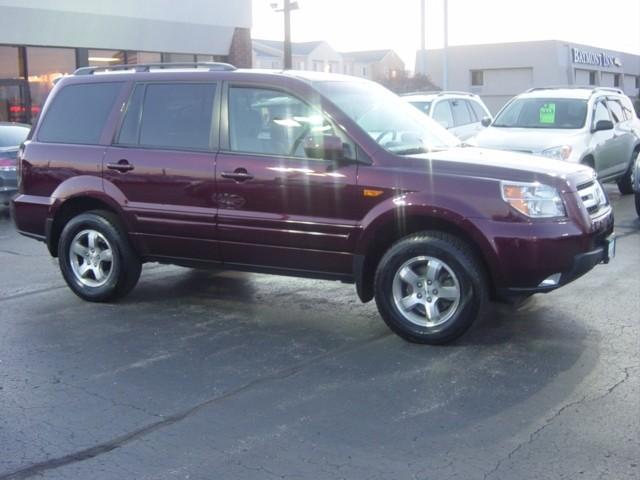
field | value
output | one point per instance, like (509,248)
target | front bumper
(582,263)
(8,185)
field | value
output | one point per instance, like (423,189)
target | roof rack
(438,93)
(593,88)
(146,67)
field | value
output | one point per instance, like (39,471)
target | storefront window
(12,94)
(144,57)
(45,66)
(178,57)
(104,58)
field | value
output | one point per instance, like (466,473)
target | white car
(463,114)
(596,126)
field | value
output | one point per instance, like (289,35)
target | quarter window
(271,122)
(78,113)
(174,116)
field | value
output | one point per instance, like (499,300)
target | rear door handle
(122,166)
(239,175)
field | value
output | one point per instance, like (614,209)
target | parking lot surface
(205,375)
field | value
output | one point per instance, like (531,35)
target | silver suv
(595,126)
(463,114)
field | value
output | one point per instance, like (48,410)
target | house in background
(316,56)
(377,65)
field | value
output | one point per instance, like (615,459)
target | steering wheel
(298,140)
(385,133)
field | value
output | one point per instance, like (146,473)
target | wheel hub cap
(426,291)
(91,258)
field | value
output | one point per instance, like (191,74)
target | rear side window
(175,116)
(78,113)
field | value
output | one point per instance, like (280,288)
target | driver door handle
(122,166)
(239,175)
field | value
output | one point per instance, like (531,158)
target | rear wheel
(95,257)
(430,288)
(638,203)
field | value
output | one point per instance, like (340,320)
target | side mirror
(328,147)
(603,125)
(444,124)
(486,121)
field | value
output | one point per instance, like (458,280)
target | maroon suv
(295,173)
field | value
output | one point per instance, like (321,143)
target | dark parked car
(11,136)
(302,174)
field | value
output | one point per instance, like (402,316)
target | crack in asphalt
(533,435)
(121,441)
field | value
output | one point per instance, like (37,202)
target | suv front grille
(593,197)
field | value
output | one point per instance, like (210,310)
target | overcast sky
(375,24)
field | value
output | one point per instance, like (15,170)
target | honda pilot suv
(595,126)
(298,173)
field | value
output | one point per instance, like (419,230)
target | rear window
(543,113)
(78,113)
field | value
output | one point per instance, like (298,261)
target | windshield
(391,121)
(543,113)
(12,135)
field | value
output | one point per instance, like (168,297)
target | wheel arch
(386,232)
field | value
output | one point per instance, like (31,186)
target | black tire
(125,267)
(457,255)
(625,183)
(638,203)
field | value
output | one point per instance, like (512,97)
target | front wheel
(625,183)
(95,257)
(430,288)
(638,203)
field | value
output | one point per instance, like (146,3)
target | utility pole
(446,45)
(423,26)
(286,9)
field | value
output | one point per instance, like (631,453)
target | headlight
(534,200)
(559,153)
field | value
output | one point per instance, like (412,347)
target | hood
(527,140)
(503,165)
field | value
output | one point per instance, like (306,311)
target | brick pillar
(240,52)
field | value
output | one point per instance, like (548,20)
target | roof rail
(146,67)
(593,88)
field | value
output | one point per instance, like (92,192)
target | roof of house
(297,48)
(367,55)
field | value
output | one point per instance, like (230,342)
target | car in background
(463,114)
(11,137)
(595,126)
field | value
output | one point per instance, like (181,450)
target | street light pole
(287,34)
(287,7)
(446,45)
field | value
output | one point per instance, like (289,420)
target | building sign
(598,59)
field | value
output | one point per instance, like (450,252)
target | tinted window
(177,115)
(442,114)
(78,113)
(461,114)
(275,123)
(543,113)
(12,135)
(479,111)
(616,111)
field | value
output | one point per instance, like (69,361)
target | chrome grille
(592,196)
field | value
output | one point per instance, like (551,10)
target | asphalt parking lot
(207,375)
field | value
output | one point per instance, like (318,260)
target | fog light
(551,280)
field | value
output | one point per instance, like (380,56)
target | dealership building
(499,71)
(41,40)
